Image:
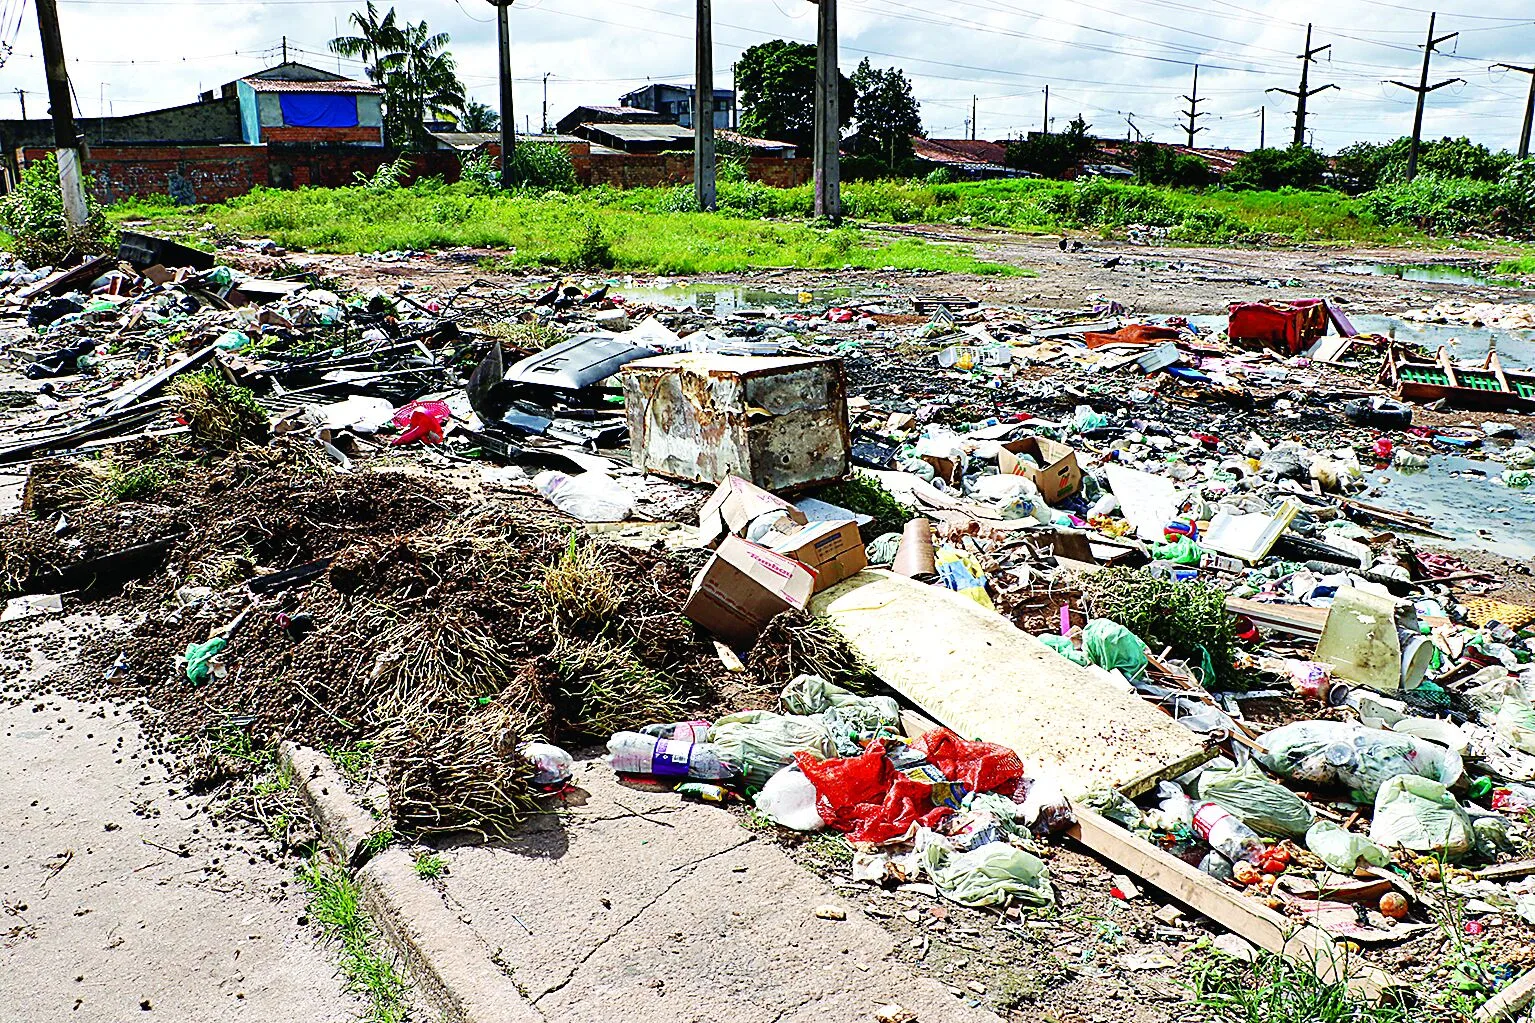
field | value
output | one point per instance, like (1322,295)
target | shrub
(593,251)
(1268,170)
(543,165)
(940,176)
(34,215)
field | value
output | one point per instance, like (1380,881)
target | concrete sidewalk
(122,899)
(640,907)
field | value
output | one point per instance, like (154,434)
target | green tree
(888,114)
(477,116)
(1164,165)
(1051,154)
(376,38)
(1264,170)
(776,81)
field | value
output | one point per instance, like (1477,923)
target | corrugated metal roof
(343,87)
(644,132)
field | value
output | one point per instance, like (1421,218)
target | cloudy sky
(1113,60)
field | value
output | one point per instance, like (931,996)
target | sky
(1118,62)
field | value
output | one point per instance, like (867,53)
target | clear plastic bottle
(681,731)
(634,753)
(1226,834)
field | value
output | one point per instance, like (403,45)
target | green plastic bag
(1065,647)
(851,720)
(199,658)
(991,875)
(1256,800)
(1110,645)
(1421,815)
(1181,551)
(1342,850)
(760,742)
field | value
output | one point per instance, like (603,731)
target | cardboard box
(736,504)
(834,549)
(743,587)
(1059,475)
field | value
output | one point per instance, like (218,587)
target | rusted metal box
(779,422)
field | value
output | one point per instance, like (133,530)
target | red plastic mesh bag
(979,766)
(866,797)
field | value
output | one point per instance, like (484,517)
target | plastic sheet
(991,875)
(1110,645)
(1257,801)
(848,716)
(789,798)
(1342,850)
(963,574)
(760,742)
(1065,647)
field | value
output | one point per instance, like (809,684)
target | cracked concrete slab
(638,905)
(123,901)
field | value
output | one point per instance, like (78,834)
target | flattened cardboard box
(735,503)
(1059,476)
(743,586)
(834,549)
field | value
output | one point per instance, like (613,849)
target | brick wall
(361,133)
(189,174)
(624,170)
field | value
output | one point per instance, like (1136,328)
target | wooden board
(1271,931)
(1508,1001)
(973,671)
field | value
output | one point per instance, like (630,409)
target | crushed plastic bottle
(1226,834)
(634,753)
(552,766)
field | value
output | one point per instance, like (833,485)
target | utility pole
(735,99)
(1524,125)
(504,70)
(1047,108)
(972,116)
(828,130)
(545,126)
(1423,89)
(1304,93)
(1193,113)
(22,95)
(285,49)
(703,110)
(66,137)
(1130,121)
(1263,127)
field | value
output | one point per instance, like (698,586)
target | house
(675,103)
(637,138)
(297,103)
(606,115)
(964,158)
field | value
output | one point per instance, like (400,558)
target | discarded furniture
(1488,387)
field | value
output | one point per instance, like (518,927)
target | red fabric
(979,766)
(423,421)
(866,797)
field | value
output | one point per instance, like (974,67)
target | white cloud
(1106,58)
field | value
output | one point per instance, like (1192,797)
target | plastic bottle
(1227,835)
(634,753)
(681,731)
(552,766)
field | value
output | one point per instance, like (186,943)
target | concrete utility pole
(1304,93)
(1263,128)
(1193,113)
(828,121)
(703,110)
(508,117)
(544,128)
(972,116)
(1047,109)
(1423,89)
(1524,125)
(66,137)
(22,95)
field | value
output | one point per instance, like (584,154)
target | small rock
(977,987)
(1236,946)
(831,912)
(894,1013)
(1169,915)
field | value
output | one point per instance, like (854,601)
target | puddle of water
(1436,273)
(1460,505)
(1515,347)
(725,299)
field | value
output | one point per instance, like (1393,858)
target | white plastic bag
(1342,850)
(1363,759)
(588,496)
(789,799)
(1422,816)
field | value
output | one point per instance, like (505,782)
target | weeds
(1273,989)
(335,906)
(610,690)
(581,590)
(33,214)
(430,866)
(219,413)
(524,335)
(864,495)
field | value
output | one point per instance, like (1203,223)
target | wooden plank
(973,671)
(63,280)
(1295,619)
(1448,367)
(1271,931)
(1507,871)
(147,386)
(1508,1001)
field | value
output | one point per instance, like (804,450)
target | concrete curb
(454,970)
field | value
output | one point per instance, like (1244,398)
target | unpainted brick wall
(189,174)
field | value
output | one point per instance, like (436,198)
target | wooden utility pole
(828,120)
(1193,113)
(504,69)
(66,137)
(1263,127)
(972,116)
(703,109)
(1423,89)
(1304,93)
(1524,125)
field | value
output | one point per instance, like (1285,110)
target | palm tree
(377,38)
(477,116)
(420,79)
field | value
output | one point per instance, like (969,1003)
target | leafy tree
(1265,170)
(776,80)
(415,69)
(477,116)
(888,114)
(1462,158)
(1164,165)
(1366,165)
(376,37)
(1051,154)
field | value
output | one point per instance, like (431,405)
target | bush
(543,165)
(1450,205)
(1267,170)
(1163,165)
(34,215)
(940,176)
(593,251)
(1050,155)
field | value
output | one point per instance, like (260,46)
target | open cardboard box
(834,549)
(743,587)
(1059,475)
